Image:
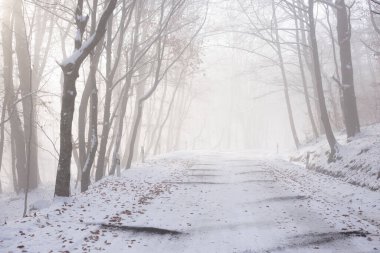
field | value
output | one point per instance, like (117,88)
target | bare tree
(158,76)
(17,132)
(25,74)
(284,77)
(70,68)
(350,110)
(111,68)
(296,12)
(318,77)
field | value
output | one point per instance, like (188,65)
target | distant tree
(373,5)
(27,87)
(160,71)
(17,133)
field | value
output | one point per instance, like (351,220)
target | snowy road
(228,203)
(225,202)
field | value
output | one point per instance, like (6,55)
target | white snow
(359,159)
(217,202)
(78,53)
(78,36)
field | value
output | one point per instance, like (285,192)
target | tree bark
(85,182)
(337,73)
(128,83)
(88,90)
(318,77)
(70,68)
(303,75)
(17,133)
(27,88)
(350,111)
(110,73)
(307,54)
(134,134)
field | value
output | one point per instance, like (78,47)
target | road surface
(208,202)
(226,202)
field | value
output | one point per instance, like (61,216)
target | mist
(270,103)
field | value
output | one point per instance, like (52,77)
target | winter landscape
(233,126)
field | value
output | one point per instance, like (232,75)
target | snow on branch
(71,64)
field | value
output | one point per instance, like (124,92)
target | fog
(224,108)
(230,98)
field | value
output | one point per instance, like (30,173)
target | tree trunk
(13,158)
(85,182)
(25,73)
(128,83)
(306,51)
(318,77)
(87,93)
(107,106)
(110,73)
(337,73)
(17,133)
(350,111)
(2,126)
(62,186)
(303,76)
(134,134)
(284,78)
(139,93)
(70,68)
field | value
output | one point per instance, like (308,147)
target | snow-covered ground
(358,160)
(206,202)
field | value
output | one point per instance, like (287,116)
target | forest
(190,125)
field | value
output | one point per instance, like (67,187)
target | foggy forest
(237,126)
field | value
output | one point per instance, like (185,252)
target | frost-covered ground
(358,160)
(206,202)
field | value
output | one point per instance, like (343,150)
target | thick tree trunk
(62,186)
(318,77)
(70,68)
(350,111)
